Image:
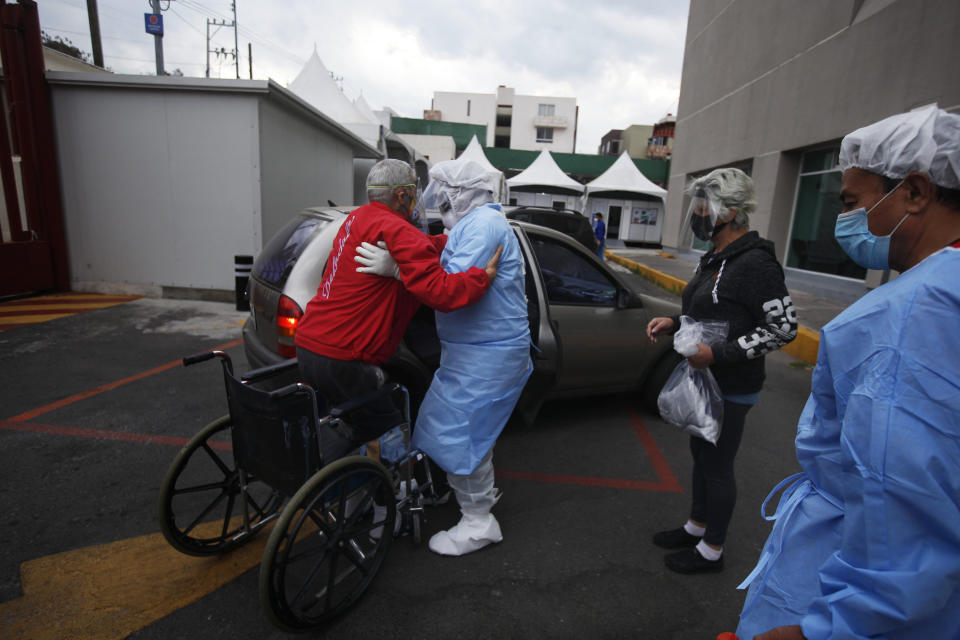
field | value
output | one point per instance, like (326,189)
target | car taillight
(288,317)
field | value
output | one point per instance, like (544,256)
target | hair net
(457,187)
(927,141)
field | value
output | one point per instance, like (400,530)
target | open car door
(546,350)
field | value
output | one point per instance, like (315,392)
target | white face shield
(704,215)
(453,203)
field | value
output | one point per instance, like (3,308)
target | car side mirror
(627,300)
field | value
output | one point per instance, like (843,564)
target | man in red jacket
(356,321)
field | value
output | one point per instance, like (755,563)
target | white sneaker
(472,533)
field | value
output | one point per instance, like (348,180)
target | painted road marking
(109,591)
(24,311)
(33,413)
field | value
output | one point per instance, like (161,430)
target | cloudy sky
(621,59)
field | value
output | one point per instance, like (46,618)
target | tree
(64,46)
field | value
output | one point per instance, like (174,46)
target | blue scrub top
(867,539)
(485,360)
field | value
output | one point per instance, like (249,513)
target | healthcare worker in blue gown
(485,358)
(866,542)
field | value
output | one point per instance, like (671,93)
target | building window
(468,107)
(547,110)
(812,244)
(544,134)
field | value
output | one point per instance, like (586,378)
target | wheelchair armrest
(269,371)
(356,403)
(296,387)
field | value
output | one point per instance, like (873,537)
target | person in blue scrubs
(485,359)
(600,233)
(866,540)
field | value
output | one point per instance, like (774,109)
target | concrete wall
(482,109)
(635,139)
(765,79)
(159,189)
(434,148)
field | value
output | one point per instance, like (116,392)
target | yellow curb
(804,347)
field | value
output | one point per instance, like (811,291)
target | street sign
(153,23)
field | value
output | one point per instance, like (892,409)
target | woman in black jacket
(740,282)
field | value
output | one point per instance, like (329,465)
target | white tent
(632,205)
(363,108)
(475,152)
(315,85)
(544,184)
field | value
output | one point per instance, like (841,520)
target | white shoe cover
(472,533)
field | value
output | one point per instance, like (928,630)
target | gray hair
(733,188)
(387,175)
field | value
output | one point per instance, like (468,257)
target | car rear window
(278,257)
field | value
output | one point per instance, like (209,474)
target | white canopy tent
(544,184)
(475,152)
(632,205)
(315,85)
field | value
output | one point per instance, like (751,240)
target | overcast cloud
(621,59)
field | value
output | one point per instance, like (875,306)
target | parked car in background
(571,223)
(588,327)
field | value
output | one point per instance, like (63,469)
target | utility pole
(236,45)
(94,19)
(250,58)
(221,51)
(158,38)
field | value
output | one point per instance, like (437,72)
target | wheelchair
(261,465)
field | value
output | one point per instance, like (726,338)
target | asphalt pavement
(95,407)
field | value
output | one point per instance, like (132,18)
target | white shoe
(473,532)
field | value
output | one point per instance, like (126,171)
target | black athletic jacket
(743,284)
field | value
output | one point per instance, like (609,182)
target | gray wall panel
(150,184)
(301,166)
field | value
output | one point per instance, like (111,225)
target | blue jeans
(600,249)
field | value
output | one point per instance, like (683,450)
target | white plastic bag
(691,398)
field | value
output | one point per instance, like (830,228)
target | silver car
(588,327)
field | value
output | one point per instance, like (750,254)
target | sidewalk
(817,300)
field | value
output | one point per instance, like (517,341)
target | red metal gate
(33,252)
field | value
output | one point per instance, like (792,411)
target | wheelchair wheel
(201,505)
(321,556)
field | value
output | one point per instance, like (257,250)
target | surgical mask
(704,213)
(701,227)
(852,232)
(448,216)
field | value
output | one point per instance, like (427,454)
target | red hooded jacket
(362,316)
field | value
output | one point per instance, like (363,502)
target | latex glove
(376,259)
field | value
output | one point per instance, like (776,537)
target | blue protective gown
(486,349)
(866,542)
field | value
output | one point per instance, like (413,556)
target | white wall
(525,198)
(159,188)
(525,120)
(453,107)
(434,148)
(629,230)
